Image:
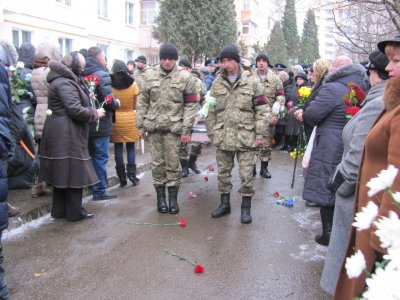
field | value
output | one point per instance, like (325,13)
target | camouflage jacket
(201,88)
(273,88)
(168,101)
(240,114)
(140,77)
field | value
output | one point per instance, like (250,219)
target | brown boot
(12,210)
(37,189)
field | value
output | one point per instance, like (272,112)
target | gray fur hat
(8,54)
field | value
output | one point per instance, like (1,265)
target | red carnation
(211,169)
(276,194)
(183,223)
(108,99)
(360,94)
(352,110)
(199,269)
(206,178)
(347,102)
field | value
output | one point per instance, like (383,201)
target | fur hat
(264,57)
(8,54)
(46,51)
(168,50)
(339,62)
(230,51)
(26,54)
(142,59)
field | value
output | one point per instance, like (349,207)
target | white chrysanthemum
(384,284)
(355,265)
(364,218)
(49,112)
(396,197)
(20,65)
(383,181)
(393,255)
(388,231)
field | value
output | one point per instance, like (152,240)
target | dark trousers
(130,153)
(3,283)
(67,202)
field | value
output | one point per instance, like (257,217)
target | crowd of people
(74,106)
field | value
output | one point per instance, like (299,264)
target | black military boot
(161,202)
(245,210)
(173,199)
(327,221)
(264,170)
(131,170)
(121,175)
(192,163)
(185,169)
(224,208)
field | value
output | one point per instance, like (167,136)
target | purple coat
(326,112)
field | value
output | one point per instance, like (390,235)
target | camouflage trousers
(225,161)
(264,152)
(164,150)
(189,149)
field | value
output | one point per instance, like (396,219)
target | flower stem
(390,192)
(179,256)
(154,224)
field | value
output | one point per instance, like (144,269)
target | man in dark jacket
(99,134)
(5,142)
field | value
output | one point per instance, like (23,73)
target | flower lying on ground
(198,268)
(211,169)
(288,202)
(181,223)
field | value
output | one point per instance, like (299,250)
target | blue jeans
(3,282)
(99,152)
(130,153)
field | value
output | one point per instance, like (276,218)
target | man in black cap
(190,151)
(141,66)
(236,125)
(166,111)
(211,64)
(280,67)
(273,89)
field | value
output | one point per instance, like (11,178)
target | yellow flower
(304,92)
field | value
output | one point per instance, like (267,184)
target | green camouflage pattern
(140,78)
(161,105)
(225,160)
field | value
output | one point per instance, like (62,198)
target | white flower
(388,231)
(396,197)
(383,181)
(393,255)
(20,65)
(49,112)
(384,284)
(12,68)
(366,216)
(355,265)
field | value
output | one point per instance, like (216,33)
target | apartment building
(122,28)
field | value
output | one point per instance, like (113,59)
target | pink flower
(211,169)
(206,178)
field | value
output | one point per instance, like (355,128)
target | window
(64,2)
(129,13)
(148,12)
(65,45)
(245,28)
(102,8)
(21,36)
(128,55)
(104,48)
(246,4)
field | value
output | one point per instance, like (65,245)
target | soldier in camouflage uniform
(166,110)
(236,125)
(141,67)
(273,89)
(194,147)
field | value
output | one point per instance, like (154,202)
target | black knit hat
(382,45)
(168,50)
(378,62)
(142,59)
(230,51)
(185,63)
(264,57)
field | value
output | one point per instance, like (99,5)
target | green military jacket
(240,114)
(273,88)
(168,102)
(140,78)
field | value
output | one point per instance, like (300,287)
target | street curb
(45,208)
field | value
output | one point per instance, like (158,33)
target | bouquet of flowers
(19,85)
(383,283)
(353,99)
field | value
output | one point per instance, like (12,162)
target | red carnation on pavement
(183,223)
(276,194)
(199,269)
(206,178)
(211,169)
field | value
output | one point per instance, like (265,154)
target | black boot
(131,170)
(121,175)
(192,164)
(173,199)
(245,210)
(161,202)
(326,220)
(282,143)
(224,208)
(264,170)
(185,169)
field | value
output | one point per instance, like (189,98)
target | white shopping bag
(307,153)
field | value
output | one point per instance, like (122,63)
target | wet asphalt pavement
(109,257)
